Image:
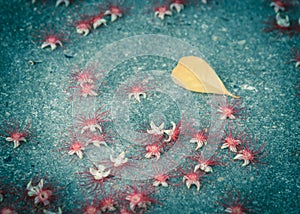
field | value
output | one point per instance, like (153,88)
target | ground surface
(228,34)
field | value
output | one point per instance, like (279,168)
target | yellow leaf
(195,74)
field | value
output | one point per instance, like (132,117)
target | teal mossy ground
(251,63)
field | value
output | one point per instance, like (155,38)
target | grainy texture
(251,63)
